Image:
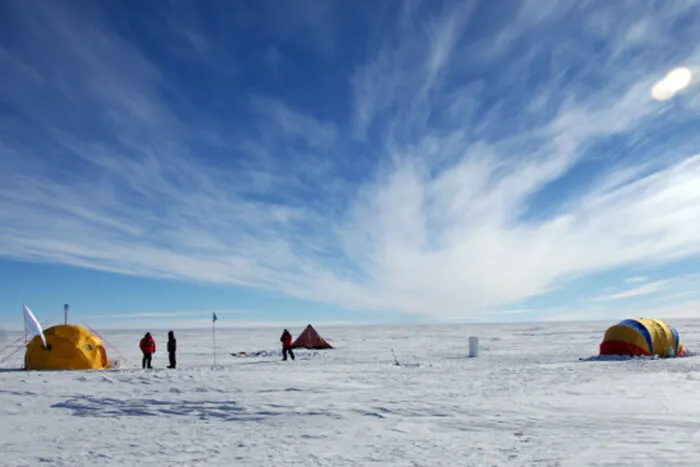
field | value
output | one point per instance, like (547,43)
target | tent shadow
(626,358)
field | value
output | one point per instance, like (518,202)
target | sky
(348,162)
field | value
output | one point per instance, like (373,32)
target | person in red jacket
(148,347)
(286,341)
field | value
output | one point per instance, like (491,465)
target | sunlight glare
(675,81)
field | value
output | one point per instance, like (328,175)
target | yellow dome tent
(68,347)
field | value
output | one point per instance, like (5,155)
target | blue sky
(285,162)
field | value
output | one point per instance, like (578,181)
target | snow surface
(527,399)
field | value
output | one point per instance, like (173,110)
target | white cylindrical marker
(473,347)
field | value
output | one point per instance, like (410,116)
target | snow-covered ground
(526,400)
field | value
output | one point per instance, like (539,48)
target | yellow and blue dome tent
(642,336)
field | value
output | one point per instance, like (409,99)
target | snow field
(526,400)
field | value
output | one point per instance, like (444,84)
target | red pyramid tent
(310,339)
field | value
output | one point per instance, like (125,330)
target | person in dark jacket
(148,347)
(286,341)
(172,347)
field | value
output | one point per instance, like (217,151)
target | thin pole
(213,335)
(396,360)
(65,314)
(24,315)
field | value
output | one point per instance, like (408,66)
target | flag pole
(213,333)
(24,315)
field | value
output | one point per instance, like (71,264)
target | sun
(678,78)
(674,81)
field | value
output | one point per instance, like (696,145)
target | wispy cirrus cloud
(436,180)
(635,279)
(207,315)
(646,289)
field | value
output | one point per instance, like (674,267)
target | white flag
(31,325)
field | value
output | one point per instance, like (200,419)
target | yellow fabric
(621,333)
(71,348)
(661,336)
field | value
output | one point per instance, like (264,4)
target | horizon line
(339,324)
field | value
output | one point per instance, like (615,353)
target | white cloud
(288,122)
(165,314)
(441,227)
(635,279)
(608,316)
(646,289)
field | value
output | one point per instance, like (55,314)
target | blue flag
(213,316)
